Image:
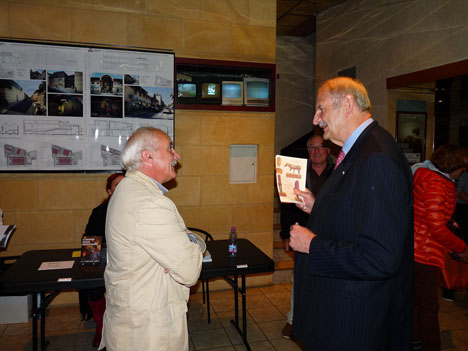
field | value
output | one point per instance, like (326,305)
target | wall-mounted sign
(72,108)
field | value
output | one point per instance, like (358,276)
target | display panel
(72,108)
(257,91)
(186,90)
(233,93)
(210,93)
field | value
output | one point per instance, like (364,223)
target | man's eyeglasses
(316,147)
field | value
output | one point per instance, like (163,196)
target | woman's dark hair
(112,177)
(449,158)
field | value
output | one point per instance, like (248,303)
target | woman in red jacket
(434,202)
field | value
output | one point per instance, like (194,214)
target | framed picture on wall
(411,135)
(66,108)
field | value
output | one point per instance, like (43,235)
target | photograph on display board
(65,82)
(132,79)
(65,105)
(39,74)
(22,97)
(106,84)
(106,106)
(148,102)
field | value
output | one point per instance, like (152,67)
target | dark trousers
(426,307)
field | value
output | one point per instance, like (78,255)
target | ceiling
(297,17)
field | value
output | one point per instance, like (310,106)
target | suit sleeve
(379,217)
(161,235)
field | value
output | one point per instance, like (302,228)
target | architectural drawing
(110,157)
(65,157)
(9,129)
(16,156)
(64,128)
(111,129)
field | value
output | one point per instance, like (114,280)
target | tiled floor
(266,309)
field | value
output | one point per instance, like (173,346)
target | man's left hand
(300,238)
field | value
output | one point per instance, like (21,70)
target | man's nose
(317,118)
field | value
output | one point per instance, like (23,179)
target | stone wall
(387,38)
(52,209)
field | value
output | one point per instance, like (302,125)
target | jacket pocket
(169,314)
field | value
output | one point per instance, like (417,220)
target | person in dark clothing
(92,301)
(353,266)
(319,167)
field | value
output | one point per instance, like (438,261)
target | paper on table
(5,232)
(55,265)
(207,256)
(290,173)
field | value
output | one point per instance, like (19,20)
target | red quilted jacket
(434,203)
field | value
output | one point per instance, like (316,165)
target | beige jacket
(146,307)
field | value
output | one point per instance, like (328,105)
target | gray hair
(338,87)
(144,138)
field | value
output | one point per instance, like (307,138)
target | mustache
(322,124)
(174,163)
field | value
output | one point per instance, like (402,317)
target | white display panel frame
(72,108)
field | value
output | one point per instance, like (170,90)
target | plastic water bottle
(233,242)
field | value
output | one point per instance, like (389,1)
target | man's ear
(348,104)
(146,156)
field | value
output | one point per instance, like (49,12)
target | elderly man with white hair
(152,262)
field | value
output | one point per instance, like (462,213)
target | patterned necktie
(340,158)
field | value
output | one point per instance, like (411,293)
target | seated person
(92,301)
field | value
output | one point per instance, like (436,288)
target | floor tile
(287,345)
(203,340)
(265,314)
(266,311)
(257,301)
(256,346)
(282,298)
(272,330)
(276,288)
(254,333)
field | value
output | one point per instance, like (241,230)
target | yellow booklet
(290,173)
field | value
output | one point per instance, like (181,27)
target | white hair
(144,138)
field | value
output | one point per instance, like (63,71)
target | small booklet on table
(91,250)
(290,173)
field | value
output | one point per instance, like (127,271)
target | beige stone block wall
(213,203)
(52,209)
(393,38)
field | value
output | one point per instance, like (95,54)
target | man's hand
(286,245)
(308,200)
(300,238)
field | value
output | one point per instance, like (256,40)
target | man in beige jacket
(152,263)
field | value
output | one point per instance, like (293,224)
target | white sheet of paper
(56,265)
(290,173)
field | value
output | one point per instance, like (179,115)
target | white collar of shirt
(160,186)
(354,135)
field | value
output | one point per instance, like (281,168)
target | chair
(6,262)
(208,237)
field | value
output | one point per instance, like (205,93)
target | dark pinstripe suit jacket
(353,291)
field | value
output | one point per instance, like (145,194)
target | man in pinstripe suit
(353,272)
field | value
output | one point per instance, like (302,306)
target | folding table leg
(42,311)
(244,312)
(208,301)
(35,312)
